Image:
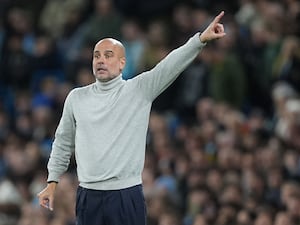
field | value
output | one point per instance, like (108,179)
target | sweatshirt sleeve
(152,83)
(63,144)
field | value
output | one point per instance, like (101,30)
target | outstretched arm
(215,30)
(152,83)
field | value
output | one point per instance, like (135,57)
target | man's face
(108,59)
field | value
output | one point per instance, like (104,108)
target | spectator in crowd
(16,64)
(55,14)
(134,43)
(105,21)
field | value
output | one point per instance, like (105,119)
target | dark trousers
(117,207)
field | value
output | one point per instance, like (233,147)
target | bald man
(105,124)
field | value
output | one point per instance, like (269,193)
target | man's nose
(100,60)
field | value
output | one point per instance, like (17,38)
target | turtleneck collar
(109,85)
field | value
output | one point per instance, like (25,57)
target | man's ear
(122,63)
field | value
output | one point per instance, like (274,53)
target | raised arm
(155,81)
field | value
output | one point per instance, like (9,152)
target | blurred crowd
(223,145)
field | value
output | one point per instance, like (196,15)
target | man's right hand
(46,196)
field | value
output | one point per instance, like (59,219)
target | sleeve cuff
(52,181)
(52,178)
(197,40)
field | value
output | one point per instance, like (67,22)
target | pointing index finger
(219,17)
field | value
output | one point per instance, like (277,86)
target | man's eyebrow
(106,51)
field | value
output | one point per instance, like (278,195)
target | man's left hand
(215,30)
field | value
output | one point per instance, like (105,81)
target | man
(106,124)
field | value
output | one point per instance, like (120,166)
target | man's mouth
(100,69)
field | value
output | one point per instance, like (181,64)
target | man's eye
(96,56)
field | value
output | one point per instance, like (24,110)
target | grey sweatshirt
(106,124)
